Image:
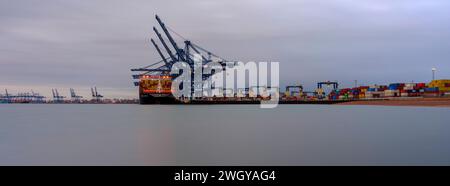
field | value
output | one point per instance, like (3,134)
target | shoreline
(419,102)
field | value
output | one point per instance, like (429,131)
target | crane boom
(165,45)
(174,44)
(198,52)
(159,51)
(92,91)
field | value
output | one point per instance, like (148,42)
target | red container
(420,85)
(364,87)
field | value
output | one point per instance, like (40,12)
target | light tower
(433,71)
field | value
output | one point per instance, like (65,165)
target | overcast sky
(48,44)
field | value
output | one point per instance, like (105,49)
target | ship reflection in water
(223,135)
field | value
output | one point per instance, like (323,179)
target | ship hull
(158,99)
(148,99)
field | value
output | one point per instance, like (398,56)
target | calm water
(223,135)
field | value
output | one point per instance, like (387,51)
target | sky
(64,44)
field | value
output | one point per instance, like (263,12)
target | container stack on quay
(441,87)
(436,88)
(375,91)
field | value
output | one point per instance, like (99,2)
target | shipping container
(420,85)
(363,87)
(156,84)
(410,84)
(391,93)
(396,86)
(442,84)
(404,94)
(432,89)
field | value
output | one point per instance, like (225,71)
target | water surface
(223,135)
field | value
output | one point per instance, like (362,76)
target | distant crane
(97,97)
(333,83)
(22,97)
(56,97)
(7,96)
(36,97)
(320,92)
(294,90)
(75,98)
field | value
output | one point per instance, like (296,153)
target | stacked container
(363,90)
(442,84)
(409,86)
(375,91)
(431,92)
(391,93)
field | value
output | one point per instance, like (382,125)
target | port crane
(291,90)
(56,97)
(320,92)
(7,96)
(36,97)
(74,96)
(186,54)
(22,97)
(333,83)
(96,95)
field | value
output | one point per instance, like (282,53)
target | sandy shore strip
(425,102)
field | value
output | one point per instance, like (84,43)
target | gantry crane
(7,96)
(292,90)
(56,97)
(36,97)
(95,95)
(186,54)
(320,93)
(75,98)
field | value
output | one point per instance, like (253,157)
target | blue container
(432,89)
(393,86)
(372,89)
